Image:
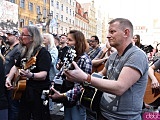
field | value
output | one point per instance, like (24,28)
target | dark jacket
(3,98)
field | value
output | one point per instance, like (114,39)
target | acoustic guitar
(91,96)
(19,82)
(65,65)
(98,68)
(151,95)
(101,55)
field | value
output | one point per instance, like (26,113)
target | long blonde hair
(51,40)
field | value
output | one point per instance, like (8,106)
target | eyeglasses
(92,41)
(22,34)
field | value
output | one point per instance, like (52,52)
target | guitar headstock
(69,57)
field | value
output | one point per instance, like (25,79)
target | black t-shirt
(62,53)
(43,63)
(3,99)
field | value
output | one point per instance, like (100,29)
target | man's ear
(126,32)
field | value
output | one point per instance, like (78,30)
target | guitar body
(91,96)
(19,85)
(19,82)
(151,95)
(98,68)
(18,89)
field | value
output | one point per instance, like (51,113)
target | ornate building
(82,21)
(90,9)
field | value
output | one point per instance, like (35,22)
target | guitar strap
(113,105)
(38,51)
(25,60)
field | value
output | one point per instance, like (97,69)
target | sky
(138,11)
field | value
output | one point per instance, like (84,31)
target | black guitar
(91,96)
(59,79)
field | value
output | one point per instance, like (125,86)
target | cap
(13,32)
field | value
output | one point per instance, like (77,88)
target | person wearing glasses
(36,73)
(94,47)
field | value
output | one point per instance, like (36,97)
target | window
(22,3)
(66,19)
(44,13)
(62,7)
(21,23)
(57,16)
(52,2)
(73,13)
(61,17)
(66,9)
(62,30)
(13,1)
(31,6)
(57,5)
(70,2)
(45,1)
(38,9)
(73,22)
(70,21)
(52,13)
(70,12)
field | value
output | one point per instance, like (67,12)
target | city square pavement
(56,114)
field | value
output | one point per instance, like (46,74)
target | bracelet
(88,78)
(32,76)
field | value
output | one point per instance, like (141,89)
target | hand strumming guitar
(8,84)
(56,95)
(25,73)
(155,83)
(76,75)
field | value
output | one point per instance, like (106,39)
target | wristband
(32,76)
(88,78)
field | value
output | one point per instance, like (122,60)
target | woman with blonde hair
(48,41)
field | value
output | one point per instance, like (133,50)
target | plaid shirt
(85,64)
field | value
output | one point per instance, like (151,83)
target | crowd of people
(33,61)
